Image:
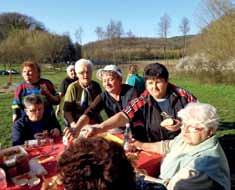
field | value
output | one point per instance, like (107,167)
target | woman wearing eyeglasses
(36,122)
(194,159)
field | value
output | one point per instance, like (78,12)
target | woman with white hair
(80,93)
(194,159)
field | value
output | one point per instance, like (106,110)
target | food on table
(167,122)
(33,181)
(37,142)
(15,160)
(26,178)
(21,182)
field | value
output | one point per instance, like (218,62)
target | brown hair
(96,163)
(31,64)
(133,69)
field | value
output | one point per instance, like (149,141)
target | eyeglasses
(35,110)
(192,129)
(83,72)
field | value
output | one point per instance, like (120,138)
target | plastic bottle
(127,137)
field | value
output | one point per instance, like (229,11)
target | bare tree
(114,30)
(217,19)
(184,28)
(78,35)
(210,10)
(164,26)
(100,33)
(130,34)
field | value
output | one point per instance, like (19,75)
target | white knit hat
(112,68)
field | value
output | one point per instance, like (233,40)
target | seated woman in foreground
(35,121)
(194,159)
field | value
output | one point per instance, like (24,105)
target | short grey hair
(69,68)
(199,113)
(83,62)
(33,99)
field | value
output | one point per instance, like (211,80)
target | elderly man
(160,99)
(115,97)
(35,121)
(80,93)
(71,77)
(194,159)
(34,84)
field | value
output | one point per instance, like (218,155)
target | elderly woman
(194,159)
(34,84)
(80,93)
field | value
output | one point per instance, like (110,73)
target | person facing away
(80,93)
(71,77)
(146,112)
(115,97)
(96,163)
(134,79)
(33,84)
(36,120)
(194,159)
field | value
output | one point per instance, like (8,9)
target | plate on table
(26,179)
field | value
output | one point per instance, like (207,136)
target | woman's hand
(69,133)
(55,132)
(135,146)
(90,130)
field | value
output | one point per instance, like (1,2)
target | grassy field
(220,95)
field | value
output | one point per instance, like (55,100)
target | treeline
(125,49)
(22,37)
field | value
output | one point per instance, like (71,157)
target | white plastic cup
(3,180)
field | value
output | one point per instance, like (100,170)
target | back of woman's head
(96,163)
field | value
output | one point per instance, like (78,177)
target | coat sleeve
(18,133)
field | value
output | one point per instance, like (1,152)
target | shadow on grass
(227,141)
(227,126)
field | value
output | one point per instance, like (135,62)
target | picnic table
(146,162)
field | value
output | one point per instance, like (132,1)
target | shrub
(204,70)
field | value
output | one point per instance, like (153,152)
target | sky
(142,17)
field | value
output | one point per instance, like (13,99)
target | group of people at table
(192,155)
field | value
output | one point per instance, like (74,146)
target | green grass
(220,95)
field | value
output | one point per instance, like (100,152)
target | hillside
(136,42)
(123,49)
